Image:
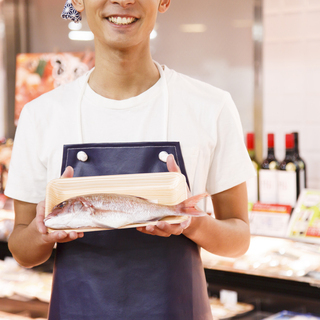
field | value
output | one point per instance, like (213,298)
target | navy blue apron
(125,274)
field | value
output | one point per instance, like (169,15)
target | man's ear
(78,5)
(164,5)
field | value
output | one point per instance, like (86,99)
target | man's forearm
(26,245)
(229,238)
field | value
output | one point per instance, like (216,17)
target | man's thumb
(68,172)
(171,164)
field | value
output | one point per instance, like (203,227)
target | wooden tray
(168,188)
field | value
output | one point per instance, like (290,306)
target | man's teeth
(120,20)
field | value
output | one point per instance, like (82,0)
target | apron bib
(125,274)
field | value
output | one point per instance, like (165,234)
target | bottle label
(287,187)
(269,219)
(268,186)
(252,188)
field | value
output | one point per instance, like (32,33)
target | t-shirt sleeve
(231,164)
(27,174)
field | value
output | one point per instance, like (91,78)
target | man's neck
(122,75)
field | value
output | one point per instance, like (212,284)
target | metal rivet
(163,156)
(82,156)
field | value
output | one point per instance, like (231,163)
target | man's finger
(68,172)
(56,236)
(172,165)
(185,224)
(40,216)
(170,229)
(62,236)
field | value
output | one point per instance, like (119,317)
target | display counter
(274,275)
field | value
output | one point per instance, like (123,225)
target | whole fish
(115,210)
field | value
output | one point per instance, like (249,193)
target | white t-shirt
(202,118)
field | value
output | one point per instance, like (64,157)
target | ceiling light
(75,26)
(193,28)
(81,35)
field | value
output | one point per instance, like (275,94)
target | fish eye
(61,205)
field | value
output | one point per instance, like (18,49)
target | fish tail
(188,206)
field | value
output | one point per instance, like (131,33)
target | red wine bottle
(301,162)
(268,175)
(288,175)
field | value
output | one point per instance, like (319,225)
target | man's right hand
(55,236)
(60,235)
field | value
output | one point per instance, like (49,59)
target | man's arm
(25,241)
(29,242)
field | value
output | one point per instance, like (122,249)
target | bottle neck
(271,153)
(290,154)
(296,143)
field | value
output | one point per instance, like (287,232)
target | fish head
(63,214)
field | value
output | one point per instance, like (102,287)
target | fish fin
(188,207)
(86,203)
(156,201)
(149,220)
(99,224)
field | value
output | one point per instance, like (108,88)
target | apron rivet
(163,155)
(82,156)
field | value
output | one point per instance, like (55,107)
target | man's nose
(123,3)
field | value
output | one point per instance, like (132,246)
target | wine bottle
(268,175)
(301,162)
(288,175)
(252,184)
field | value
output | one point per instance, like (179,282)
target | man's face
(123,24)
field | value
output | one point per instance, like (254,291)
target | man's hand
(56,236)
(162,228)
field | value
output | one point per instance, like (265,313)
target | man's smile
(121,20)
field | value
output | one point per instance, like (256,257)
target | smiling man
(122,115)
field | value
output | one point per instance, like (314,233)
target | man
(130,98)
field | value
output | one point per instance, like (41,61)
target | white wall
(292,78)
